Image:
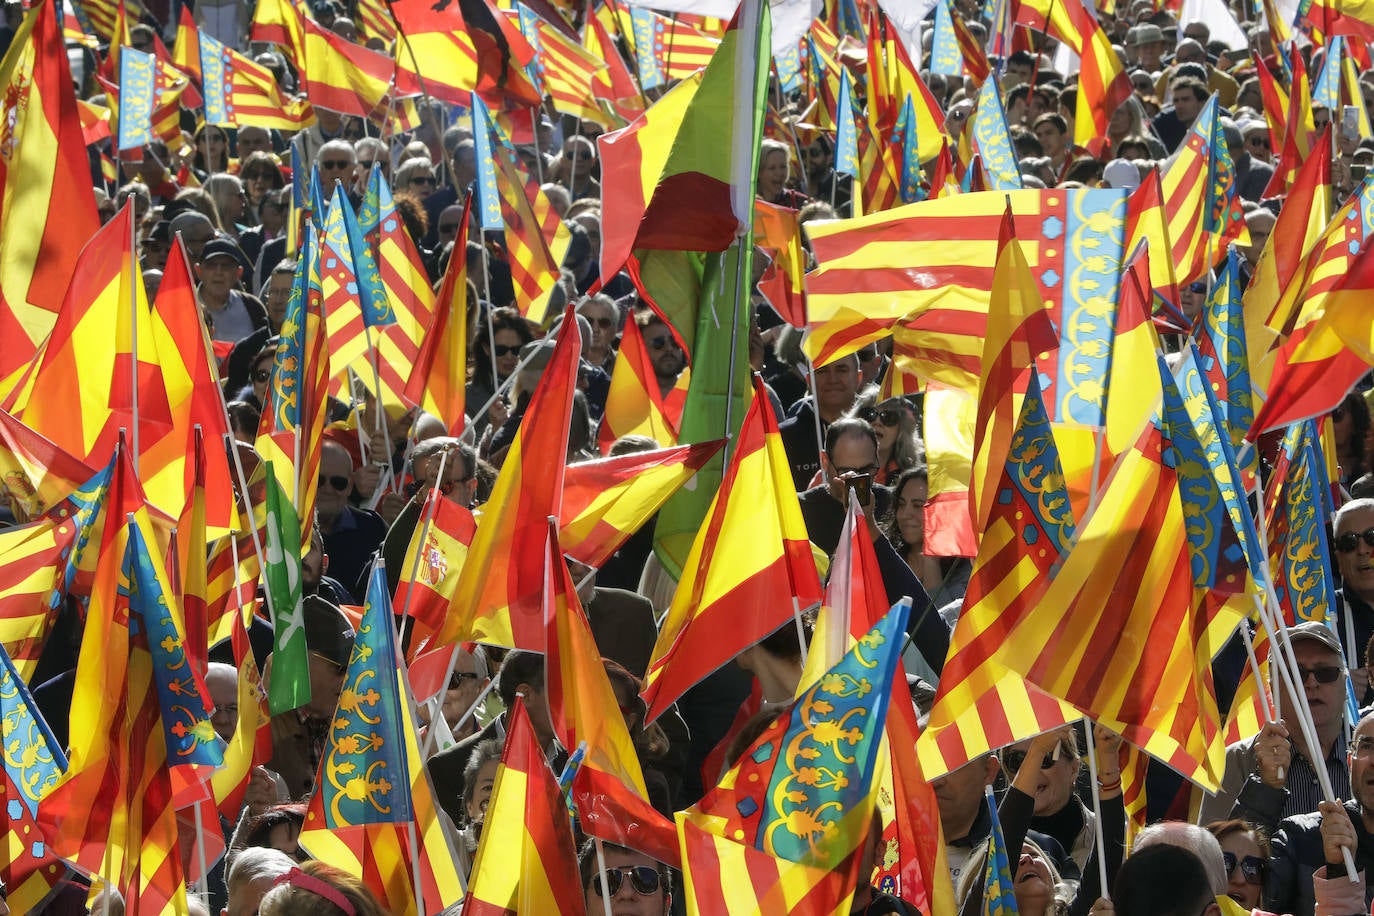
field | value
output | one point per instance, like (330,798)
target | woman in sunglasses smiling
(1246,854)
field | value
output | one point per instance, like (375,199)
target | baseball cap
(1119,173)
(218,247)
(328,633)
(1317,632)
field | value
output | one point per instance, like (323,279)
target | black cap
(328,633)
(217,246)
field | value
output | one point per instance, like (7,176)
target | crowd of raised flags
(1135,411)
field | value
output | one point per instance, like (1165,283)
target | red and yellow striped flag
(1117,632)
(525,861)
(32,561)
(498,595)
(536,253)
(635,404)
(438,382)
(47,208)
(583,708)
(35,475)
(750,564)
(281,22)
(570,71)
(607,501)
(982,705)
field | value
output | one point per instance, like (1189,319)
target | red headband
(297,878)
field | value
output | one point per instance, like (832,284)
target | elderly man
(1191,51)
(1353,545)
(1272,775)
(350,534)
(1306,865)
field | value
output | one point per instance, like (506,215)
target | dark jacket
(1296,854)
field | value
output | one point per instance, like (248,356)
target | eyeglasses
(643,878)
(660,341)
(1012,760)
(335,164)
(888,417)
(262,375)
(1362,747)
(505,349)
(336,481)
(367,163)
(576,157)
(427,180)
(459,676)
(338,668)
(1252,867)
(1325,674)
(1348,542)
(603,322)
(1258,141)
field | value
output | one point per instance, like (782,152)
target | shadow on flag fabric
(750,567)
(1117,630)
(796,794)
(525,861)
(373,814)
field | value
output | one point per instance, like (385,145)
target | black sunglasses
(643,878)
(505,349)
(603,322)
(336,481)
(262,375)
(423,179)
(336,164)
(888,417)
(660,341)
(1325,674)
(1252,867)
(1346,543)
(1012,760)
(459,676)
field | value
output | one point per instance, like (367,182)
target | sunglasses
(505,349)
(367,163)
(262,375)
(338,668)
(1325,674)
(458,677)
(660,341)
(1012,760)
(576,157)
(888,417)
(1346,543)
(604,323)
(336,481)
(330,164)
(643,878)
(1252,867)
(1258,141)
(427,180)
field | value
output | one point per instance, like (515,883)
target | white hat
(1120,173)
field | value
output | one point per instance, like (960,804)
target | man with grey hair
(1192,838)
(1306,862)
(1353,546)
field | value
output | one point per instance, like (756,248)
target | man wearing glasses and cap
(1271,776)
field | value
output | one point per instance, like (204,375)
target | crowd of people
(1269,840)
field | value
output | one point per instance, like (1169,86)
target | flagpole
(135,279)
(200,850)
(1266,701)
(601,869)
(1272,615)
(415,863)
(1097,807)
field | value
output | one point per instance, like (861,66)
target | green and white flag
(289,687)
